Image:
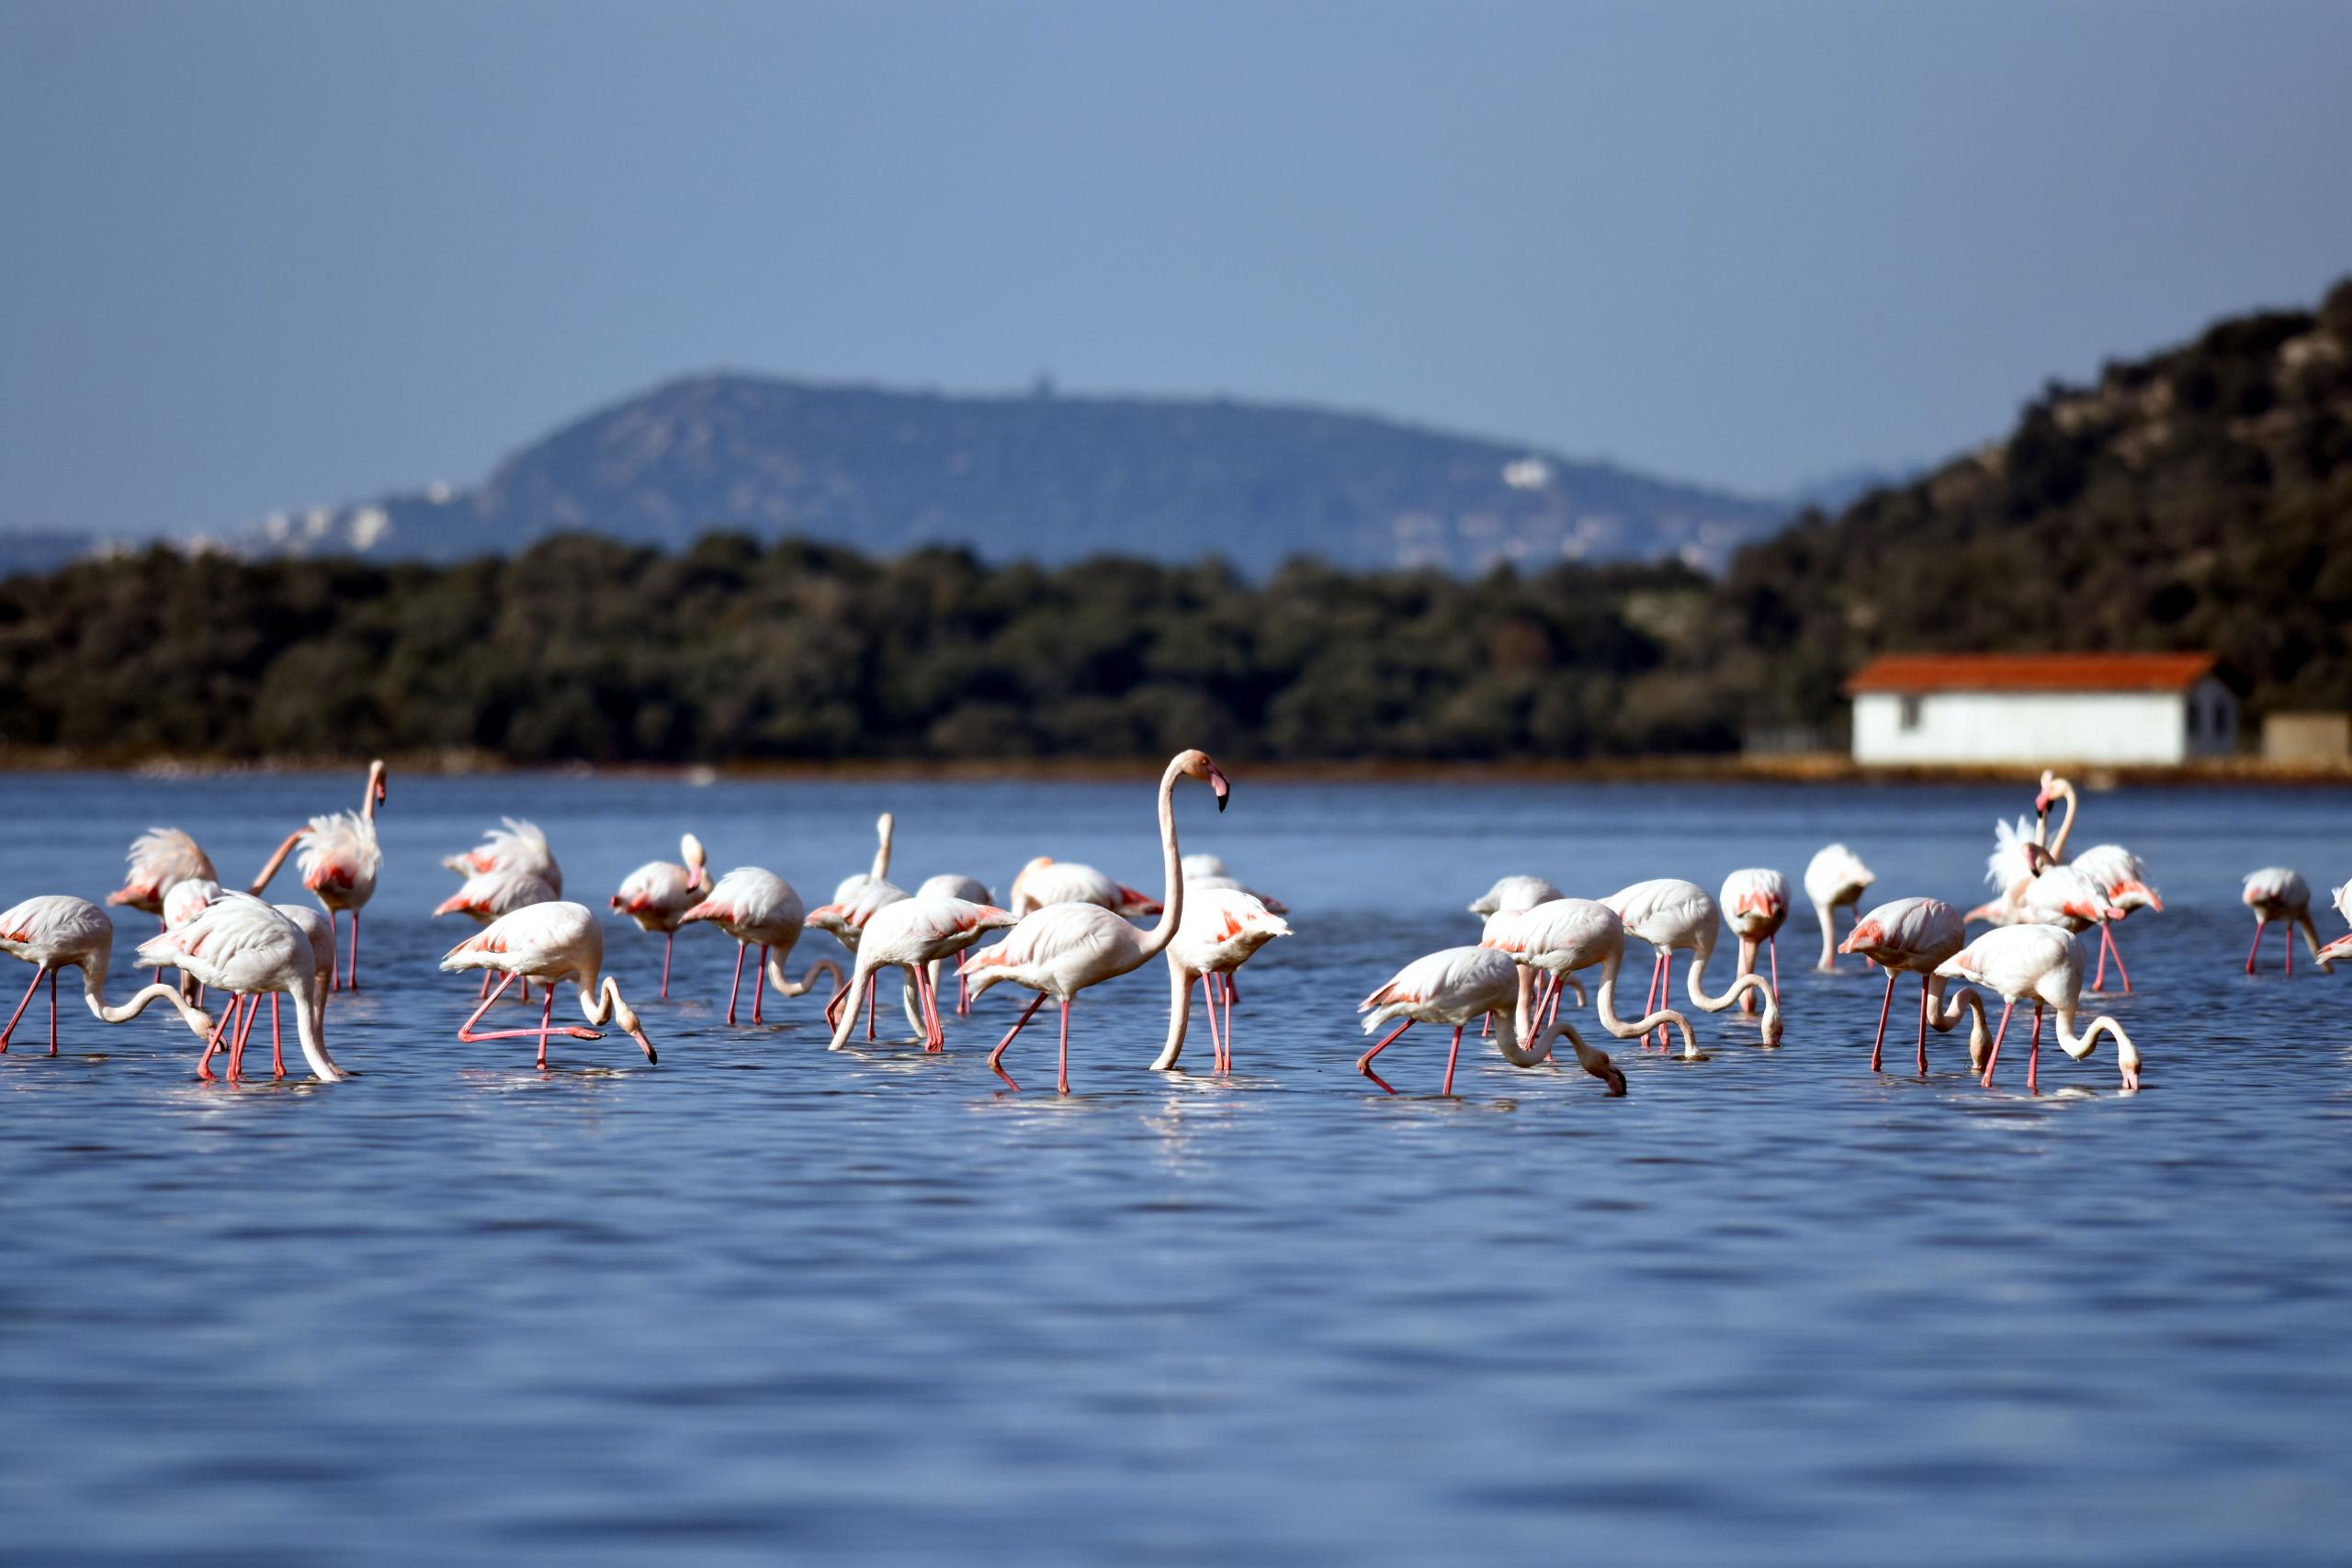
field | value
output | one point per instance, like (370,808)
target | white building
(2042,707)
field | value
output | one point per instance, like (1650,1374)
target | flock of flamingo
(1069,928)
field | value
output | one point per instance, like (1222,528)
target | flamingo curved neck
(883,830)
(1171,908)
(2057,846)
(262,880)
(92,993)
(310,1032)
(783,983)
(2079,1045)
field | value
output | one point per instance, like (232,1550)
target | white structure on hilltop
(2042,707)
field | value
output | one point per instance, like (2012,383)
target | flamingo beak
(1219,785)
(616,900)
(638,1035)
(1614,1078)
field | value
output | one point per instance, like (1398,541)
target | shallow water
(1769,1307)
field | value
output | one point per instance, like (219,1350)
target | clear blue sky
(261,256)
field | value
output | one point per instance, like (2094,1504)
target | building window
(2192,718)
(1910,713)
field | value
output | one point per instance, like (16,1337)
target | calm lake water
(1767,1308)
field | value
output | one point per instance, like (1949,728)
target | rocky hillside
(1043,478)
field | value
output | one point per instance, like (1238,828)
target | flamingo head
(2127,1056)
(1608,1072)
(2037,858)
(376,792)
(697,863)
(1199,766)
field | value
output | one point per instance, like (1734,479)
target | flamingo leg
(2099,975)
(1552,1009)
(930,996)
(735,992)
(1363,1063)
(2287,942)
(1885,1004)
(1666,989)
(1993,1057)
(1232,994)
(872,993)
(22,1006)
(1451,1052)
(1062,1073)
(351,981)
(2033,1054)
(466,1031)
(1774,945)
(669,946)
(335,935)
(277,1041)
(963,988)
(204,1062)
(485,985)
(53,1012)
(1486,1025)
(244,1033)
(1923,1023)
(997,1055)
(760,983)
(2122,973)
(1649,1001)
(1208,1000)
(546,1018)
(2260,925)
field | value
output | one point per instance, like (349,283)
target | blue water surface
(760,1299)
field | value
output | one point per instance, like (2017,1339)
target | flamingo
(1511,894)
(181,904)
(1755,905)
(972,890)
(914,933)
(245,947)
(845,919)
(489,894)
(1045,881)
(2277,893)
(1220,930)
(657,893)
(160,858)
(1560,936)
(55,930)
(518,846)
(1455,984)
(1206,873)
(546,943)
(2064,895)
(1059,950)
(1914,935)
(849,888)
(322,961)
(1669,913)
(2122,879)
(2018,856)
(2053,788)
(2045,964)
(339,861)
(758,908)
(2342,946)
(1834,877)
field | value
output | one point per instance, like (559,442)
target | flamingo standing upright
(1669,913)
(1914,935)
(1455,984)
(1206,873)
(1059,950)
(1220,930)
(55,930)
(246,948)
(2122,879)
(972,890)
(1755,905)
(916,934)
(1045,881)
(547,942)
(2045,964)
(759,908)
(2278,893)
(517,846)
(339,862)
(1835,878)
(657,894)
(1560,936)
(849,888)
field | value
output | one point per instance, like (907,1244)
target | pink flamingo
(659,893)
(1205,872)
(2277,893)
(1669,913)
(160,858)
(181,904)
(761,909)
(489,894)
(1914,936)
(546,943)
(1045,881)
(1220,930)
(915,934)
(972,890)
(1455,984)
(849,888)
(2121,880)
(1560,936)
(2342,946)
(518,846)
(339,862)
(55,930)
(1059,950)
(246,948)
(1511,894)
(1835,878)
(2045,964)
(1755,905)
(845,921)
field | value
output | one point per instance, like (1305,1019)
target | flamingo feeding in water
(1045,882)
(658,893)
(55,930)
(1455,984)
(489,894)
(1669,913)
(1916,935)
(1511,894)
(546,943)
(339,861)
(2120,877)
(1560,936)
(1221,929)
(916,934)
(1061,949)
(517,846)
(1835,878)
(845,921)
(246,948)
(1755,905)
(972,890)
(2278,893)
(761,909)
(160,858)
(2045,964)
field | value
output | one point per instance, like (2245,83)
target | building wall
(2045,727)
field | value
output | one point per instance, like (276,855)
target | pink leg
(2122,973)
(53,1012)
(2260,925)
(484,992)
(1552,1009)
(1451,1053)
(335,939)
(244,1033)
(760,983)
(870,993)
(546,1019)
(1775,946)
(1062,1076)
(669,943)
(2099,975)
(277,1041)
(22,1006)
(2287,942)
(2033,1054)
(1208,1001)
(1649,1002)
(1922,1026)
(930,991)
(1665,991)
(1231,993)
(833,1006)
(963,988)
(735,990)
(351,981)
(466,1031)
(1363,1063)
(997,1055)
(1993,1057)
(1888,1001)
(204,1062)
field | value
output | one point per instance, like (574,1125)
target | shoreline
(1795,768)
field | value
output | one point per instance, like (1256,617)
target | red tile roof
(2031,672)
